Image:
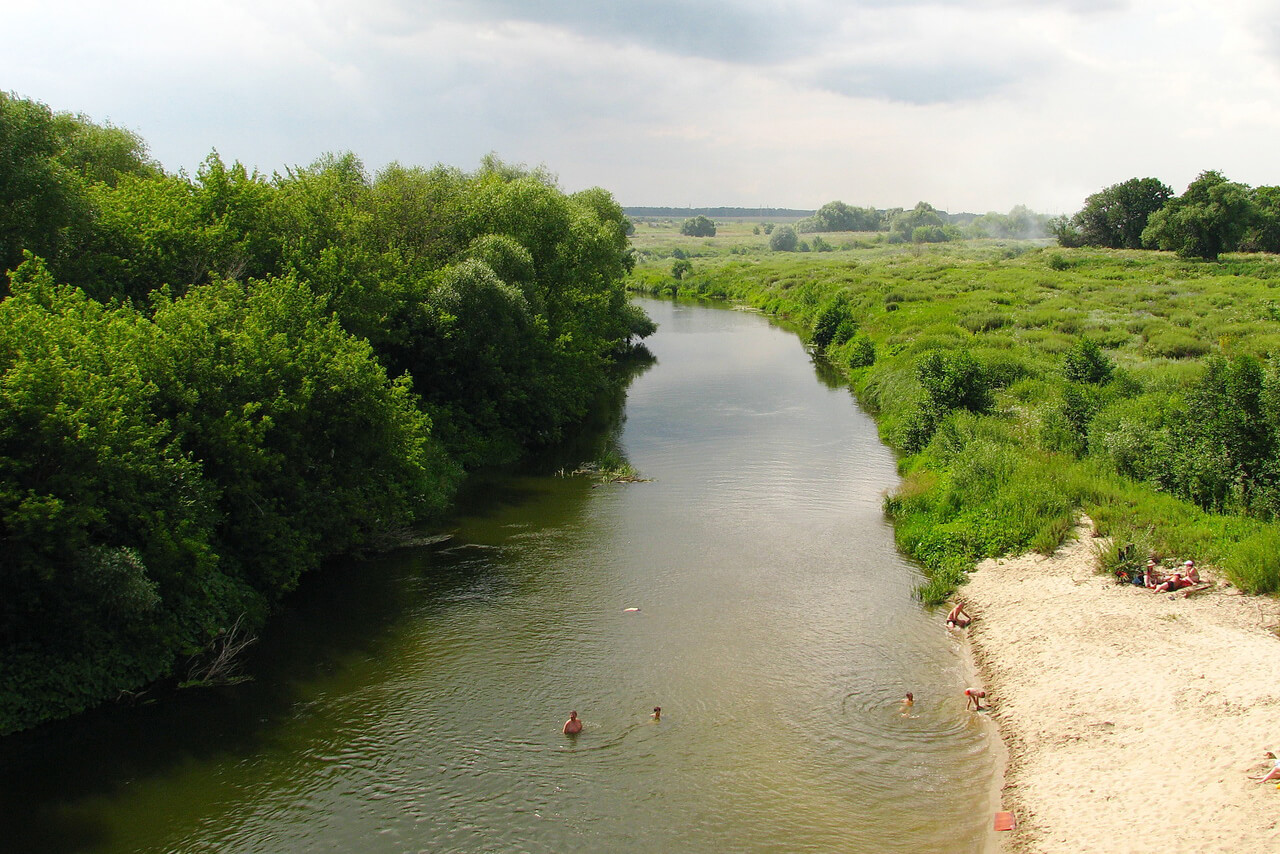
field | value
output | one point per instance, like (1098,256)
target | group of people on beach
(1154,578)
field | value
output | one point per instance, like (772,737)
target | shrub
(783,239)
(862,352)
(1254,565)
(1086,363)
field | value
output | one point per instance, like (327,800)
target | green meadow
(1023,383)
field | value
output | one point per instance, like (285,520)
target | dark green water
(414,703)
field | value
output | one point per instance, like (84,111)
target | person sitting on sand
(1274,772)
(1190,573)
(1153,577)
(973,697)
(958,618)
(573,726)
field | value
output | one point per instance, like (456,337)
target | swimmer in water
(573,726)
(657,713)
(907,702)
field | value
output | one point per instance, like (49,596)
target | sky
(970,105)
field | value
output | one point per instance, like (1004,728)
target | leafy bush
(698,226)
(784,239)
(1086,363)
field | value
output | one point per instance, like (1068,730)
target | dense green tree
(314,451)
(1065,230)
(107,523)
(1205,221)
(101,153)
(205,411)
(39,196)
(1263,233)
(698,226)
(1116,216)
(838,216)
(921,224)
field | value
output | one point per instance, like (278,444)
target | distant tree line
(924,223)
(212,382)
(1213,216)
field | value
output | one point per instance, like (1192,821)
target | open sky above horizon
(970,105)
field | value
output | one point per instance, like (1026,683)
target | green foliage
(39,196)
(1254,564)
(783,239)
(833,326)
(680,267)
(1116,216)
(1205,221)
(838,216)
(954,380)
(1263,233)
(698,226)
(921,224)
(862,352)
(198,402)
(1086,363)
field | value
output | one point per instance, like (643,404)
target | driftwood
(219,662)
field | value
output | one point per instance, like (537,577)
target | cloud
(974,104)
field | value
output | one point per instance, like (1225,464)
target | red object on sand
(1004,821)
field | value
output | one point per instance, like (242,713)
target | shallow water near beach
(414,702)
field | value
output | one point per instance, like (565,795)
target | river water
(414,702)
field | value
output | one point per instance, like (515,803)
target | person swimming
(657,713)
(573,726)
(907,702)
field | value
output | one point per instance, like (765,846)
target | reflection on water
(414,703)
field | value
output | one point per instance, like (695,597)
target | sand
(1132,720)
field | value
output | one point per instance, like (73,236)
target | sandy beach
(1132,719)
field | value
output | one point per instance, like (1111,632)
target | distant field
(660,237)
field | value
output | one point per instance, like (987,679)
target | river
(414,702)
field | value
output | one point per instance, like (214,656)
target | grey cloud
(920,85)
(723,30)
(737,31)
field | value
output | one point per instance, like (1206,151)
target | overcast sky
(971,105)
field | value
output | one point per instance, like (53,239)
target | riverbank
(1132,720)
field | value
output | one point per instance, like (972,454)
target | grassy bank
(1022,383)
